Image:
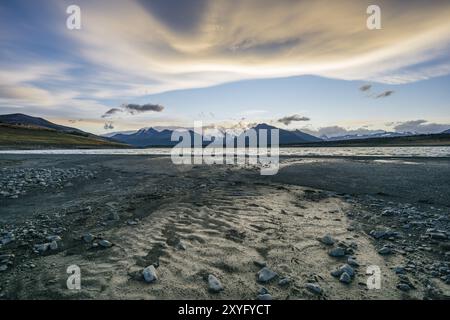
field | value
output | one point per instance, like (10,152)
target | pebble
(263,290)
(43,247)
(54,238)
(180,246)
(105,243)
(214,284)
(149,274)
(314,288)
(88,237)
(385,250)
(265,275)
(399,270)
(53,245)
(343,269)
(327,240)
(284,282)
(403,287)
(260,264)
(16,182)
(383,234)
(337,252)
(345,278)
(352,262)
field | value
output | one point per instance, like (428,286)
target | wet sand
(193,221)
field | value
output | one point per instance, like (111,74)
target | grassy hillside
(26,137)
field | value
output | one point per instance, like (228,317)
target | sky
(296,64)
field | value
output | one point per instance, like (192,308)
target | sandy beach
(113,216)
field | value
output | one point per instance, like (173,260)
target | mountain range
(382,134)
(159,136)
(20,130)
(152,137)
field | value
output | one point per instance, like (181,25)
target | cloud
(111,112)
(336,131)
(289,119)
(420,126)
(367,90)
(133,109)
(222,41)
(365,87)
(384,94)
(137,48)
(136,108)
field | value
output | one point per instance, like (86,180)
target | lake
(284,151)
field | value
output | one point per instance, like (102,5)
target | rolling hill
(19,131)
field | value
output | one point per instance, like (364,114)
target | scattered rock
(41,248)
(352,262)
(343,269)
(105,243)
(399,270)
(263,290)
(337,252)
(403,287)
(88,237)
(260,264)
(180,246)
(284,282)
(327,240)
(385,250)
(383,234)
(345,278)
(214,284)
(54,238)
(53,245)
(149,274)
(266,275)
(132,222)
(314,288)
(7,238)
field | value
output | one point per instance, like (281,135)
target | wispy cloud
(111,112)
(367,89)
(294,118)
(420,126)
(127,51)
(336,131)
(133,109)
(384,94)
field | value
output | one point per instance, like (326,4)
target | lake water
(309,152)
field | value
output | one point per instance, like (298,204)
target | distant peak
(264,126)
